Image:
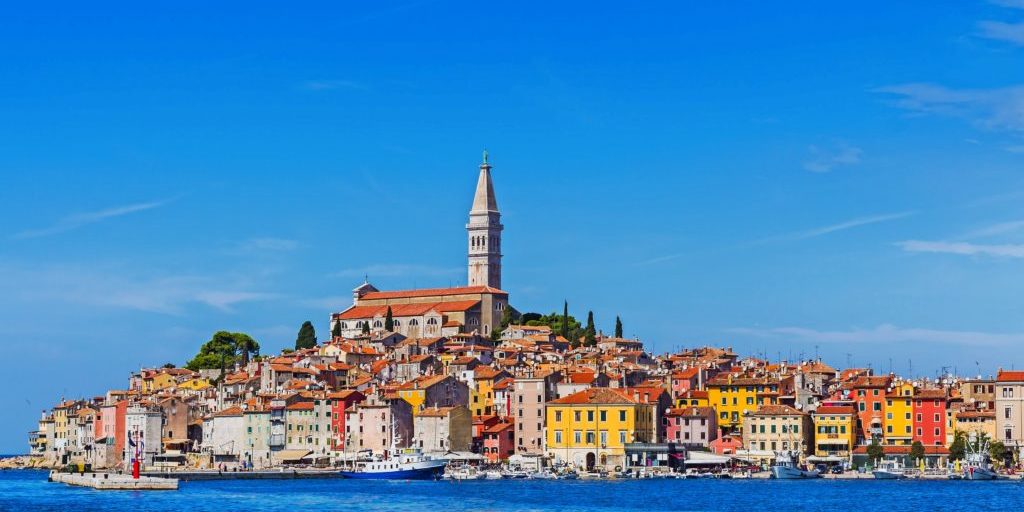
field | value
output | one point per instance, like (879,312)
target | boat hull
(888,475)
(791,473)
(421,472)
(979,474)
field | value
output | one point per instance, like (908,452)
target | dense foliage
(223,350)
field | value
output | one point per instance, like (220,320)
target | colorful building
(899,415)
(869,395)
(930,417)
(734,396)
(592,427)
(835,432)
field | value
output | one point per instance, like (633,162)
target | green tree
(526,318)
(336,331)
(590,332)
(618,327)
(564,327)
(875,451)
(223,350)
(958,448)
(306,337)
(366,327)
(507,317)
(389,321)
(916,452)
(997,452)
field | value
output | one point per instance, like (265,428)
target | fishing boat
(976,465)
(889,470)
(785,468)
(464,473)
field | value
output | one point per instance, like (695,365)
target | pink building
(727,444)
(684,380)
(499,440)
(694,427)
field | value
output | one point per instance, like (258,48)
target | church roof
(483,200)
(404,310)
(433,292)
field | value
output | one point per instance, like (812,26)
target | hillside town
(460,373)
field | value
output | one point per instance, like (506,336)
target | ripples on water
(28,490)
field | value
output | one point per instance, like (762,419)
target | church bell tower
(484,231)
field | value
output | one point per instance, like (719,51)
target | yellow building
(834,432)
(693,398)
(977,422)
(197,384)
(592,427)
(481,394)
(733,397)
(899,415)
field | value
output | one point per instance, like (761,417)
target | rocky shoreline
(24,462)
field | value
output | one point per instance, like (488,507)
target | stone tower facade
(484,230)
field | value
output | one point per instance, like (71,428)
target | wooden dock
(115,481)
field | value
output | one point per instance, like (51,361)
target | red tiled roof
(432,292)
(300,406)
(405,310)
(596,396)
(778,410)
(837,409)
(1010,376)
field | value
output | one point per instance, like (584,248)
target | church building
(475,308)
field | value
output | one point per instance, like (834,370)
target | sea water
(25,490)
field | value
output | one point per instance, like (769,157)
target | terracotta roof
(691,411)
(1010,376)
(838,409)
(596,396)
(230,411)
(777,410)
(432,292)
(930,393)
(500,427)
(435,412)
(688,373)
(300,406)
(405,310)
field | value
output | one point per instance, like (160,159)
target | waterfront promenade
(29,490)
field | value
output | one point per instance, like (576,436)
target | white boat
(492,475)
(542,475)
(397,464)
(464,473)
(889,470)
(785,468)
(409,464)
(976,465)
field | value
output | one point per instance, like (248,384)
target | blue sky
(784,179)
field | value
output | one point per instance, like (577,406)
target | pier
(115,481)
(268,474)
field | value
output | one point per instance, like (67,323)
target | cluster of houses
(530,394)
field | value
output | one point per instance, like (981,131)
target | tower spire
(483,200)
(484,230)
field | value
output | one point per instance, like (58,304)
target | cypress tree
(590,333)
(389,321)
(336,332)
(366,327)
(618,327)
(565,320)
(306,337)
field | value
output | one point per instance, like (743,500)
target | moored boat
(786,468)
(889,470)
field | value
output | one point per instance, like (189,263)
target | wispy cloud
(659,259)
(885,334)
(1002,31)
(1012,4)
(963,248)
(995,109)
(116,287)
(78,220)
(269,244)
(1001,228)
(329,85)
(398,270)
(842,226)
(827,159)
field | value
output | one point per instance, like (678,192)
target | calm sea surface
(29,490)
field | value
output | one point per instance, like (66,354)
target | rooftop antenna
(816,353)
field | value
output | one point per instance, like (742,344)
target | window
(558,437)
(604,438)
(604,416)
(590,437)
(877,406)
(576,415)
(622,415)
(590,415)
(577,436)
(558,415)
(1006,413)
(622,437)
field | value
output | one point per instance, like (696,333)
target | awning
(291,455)
(705,459)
